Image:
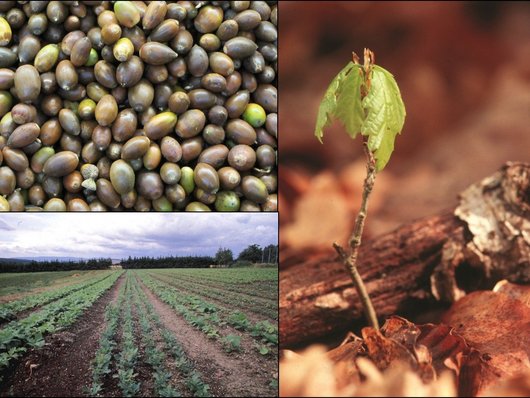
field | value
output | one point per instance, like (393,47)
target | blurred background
(464,73)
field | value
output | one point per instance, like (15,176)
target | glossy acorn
(130,72)
(229,178)
(135,147)
(197,206)
(190,123)
(81,51)
(23,135)
(27,83)
(72,182)
(25,178)
(239,47)
(237,103)
(254,189)
(69,121)
(242,157)
(23,113)
(7,180)
(149,185)
(46,58)
(5,32)
(227,30)
(154,14)
(208,19)
(179,102)
(255,115)
(227,201)
(170,173)
(61,164)
(141,95)
(55,204)
(152,157)
(6,102)
(165,31)
(160,125)
(206,178)
(240,132)
(4,204)
(16,159)
(124,126)
(126,13)
(171,149)
(7,78)
(197,61)
(154,53)
(123,49)
(215,155)
(187,179)
(266,95)
(122,177)
(77,204)
(66,75)
(40,157)
(106,110)
(106,193)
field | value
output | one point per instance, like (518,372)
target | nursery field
(156,332)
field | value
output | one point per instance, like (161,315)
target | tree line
(168,262)
(251,255)
(13,265)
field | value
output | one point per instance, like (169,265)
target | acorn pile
(133,105)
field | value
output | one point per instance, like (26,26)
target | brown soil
(228,375)
(63,366)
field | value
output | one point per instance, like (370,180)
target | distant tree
(270,254)
(224,256)
(253,253)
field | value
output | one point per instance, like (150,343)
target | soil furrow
(62,367)
(251,315)
(237,374)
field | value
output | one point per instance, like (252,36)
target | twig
(350,261)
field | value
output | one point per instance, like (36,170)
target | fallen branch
(486,238)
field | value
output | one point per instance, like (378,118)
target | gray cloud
(125,234)
(4,226)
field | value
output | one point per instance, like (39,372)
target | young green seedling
(366,100)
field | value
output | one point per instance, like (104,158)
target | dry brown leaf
(314,374)
(497,326)
(310,227)
(518,386)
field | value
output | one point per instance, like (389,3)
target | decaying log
(486,238)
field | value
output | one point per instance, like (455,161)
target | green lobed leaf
(348,108)
(385,115)
(379,116)
(328,105)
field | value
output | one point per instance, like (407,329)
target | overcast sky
(118,235)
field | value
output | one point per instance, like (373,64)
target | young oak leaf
(328,105)
(349,109)
(385,115)
(380,115)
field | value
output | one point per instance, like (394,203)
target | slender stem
(350,261)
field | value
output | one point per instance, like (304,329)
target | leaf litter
(481,348)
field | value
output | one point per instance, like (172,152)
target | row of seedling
(192,377)
(8,311)
(264,307)
(17,336)
(205,316)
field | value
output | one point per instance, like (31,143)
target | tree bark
(486,238)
